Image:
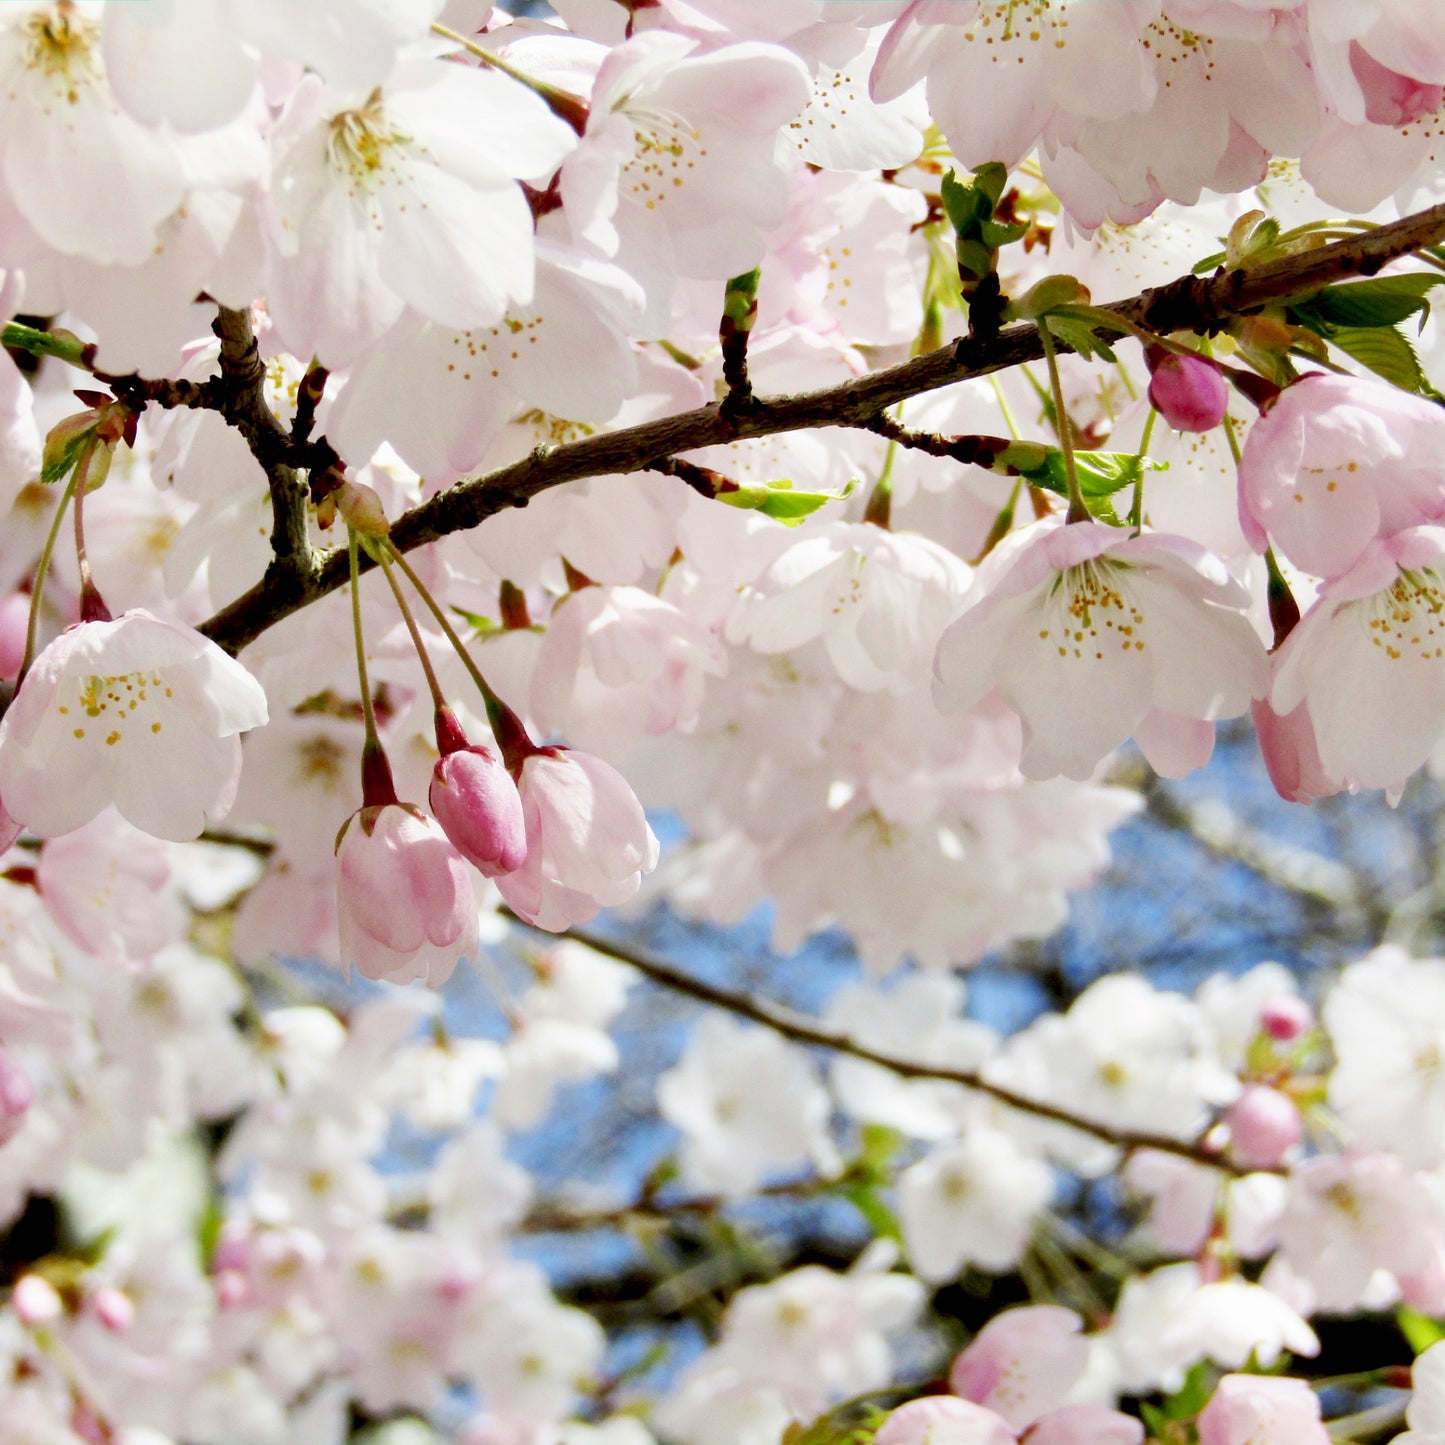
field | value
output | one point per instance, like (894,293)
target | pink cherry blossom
(1368,661)
(1086,1424)
(588,841)
(407,195)
(943,1420)
(139,712)
(1335,462)
(1022,1363)
(675,175)
(405,905)
(1091,634)
(1262,1410)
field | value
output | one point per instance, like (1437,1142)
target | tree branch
(243,405)
(804,1030)
(1196,303)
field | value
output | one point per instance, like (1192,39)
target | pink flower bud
(362,509)
(1264,1125)
(478,806)
(113,1308)
(1262,1410)
(17,1094)
(1286,1018)
(232,1290)
(14,620)
(1188,392)
(35,1301)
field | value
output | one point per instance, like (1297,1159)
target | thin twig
(804,1030)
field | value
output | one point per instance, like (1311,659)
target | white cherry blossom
(139,712)
(1091,634)
(407,195)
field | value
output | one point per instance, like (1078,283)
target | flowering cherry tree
(440,447)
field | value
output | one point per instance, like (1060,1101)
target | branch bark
(804,1030)
(1194,303)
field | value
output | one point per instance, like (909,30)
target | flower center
(665,148)
(1406,618)
(1016,23)
(63,47)
(363,147)
(1088,610)
(104,706)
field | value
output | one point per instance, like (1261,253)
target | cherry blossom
(588,843)
(1259,1410)
(404,902)
(139,712)
(1091,635)
(406,196)
(1370,639)
(1336,462)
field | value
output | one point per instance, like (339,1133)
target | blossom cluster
(384,299)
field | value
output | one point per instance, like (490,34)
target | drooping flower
(405,906)
(588,840)
(1261,1410)
(140,712)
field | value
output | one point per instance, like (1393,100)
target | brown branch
(804,1030)
(243,405)
(1195,303)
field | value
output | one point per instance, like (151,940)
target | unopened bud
(1189,392)
(362,509)
(35,1301)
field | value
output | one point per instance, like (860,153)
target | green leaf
(60,461)
(1387,353)
(1081,336)
(880,1147)
(1155,1420)
(1101,474)
(869,1203)
(1382,301)
(1420,1331)
(482,626)
(995,233)
(967,204)
(779,501)
(1193,1395)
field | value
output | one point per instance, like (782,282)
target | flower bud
(1264,1125)
(35,1301)
(1187,391)
(1286,1018)
(477,804)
